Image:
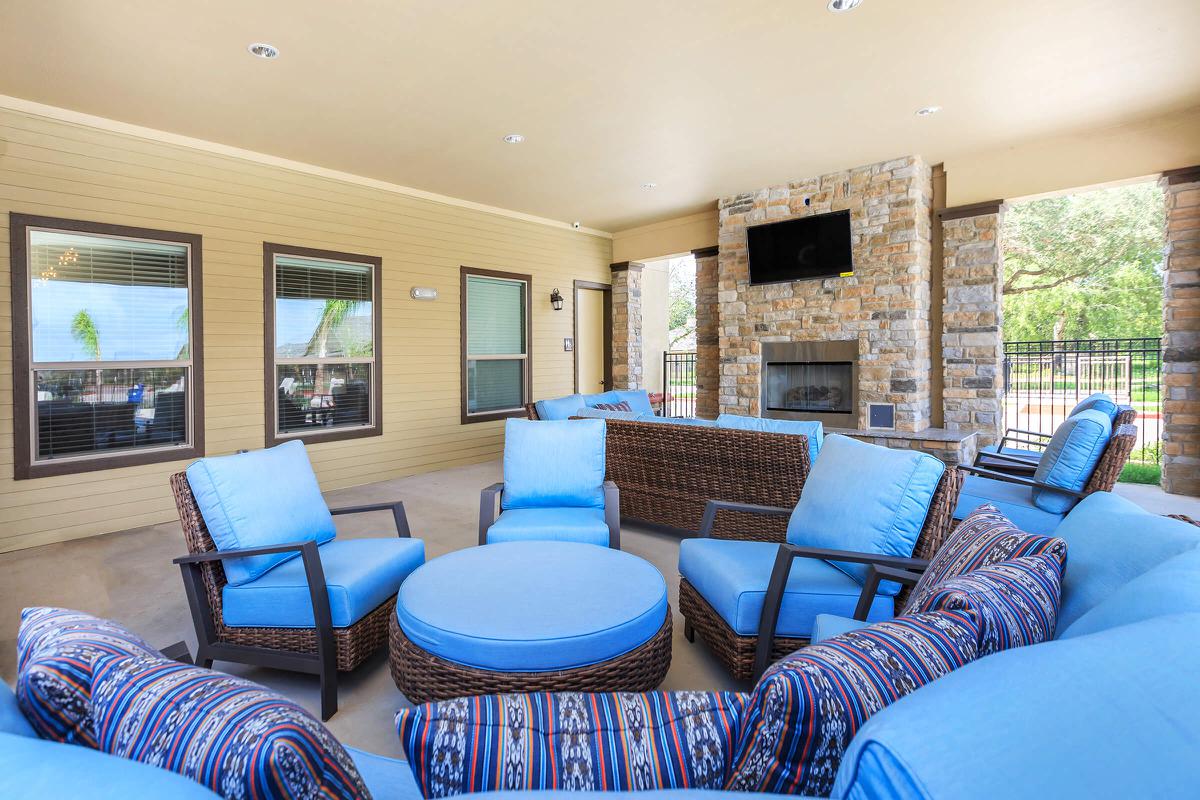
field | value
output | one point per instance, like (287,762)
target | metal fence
(679,384)
(1044,380)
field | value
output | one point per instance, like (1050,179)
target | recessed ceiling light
(514,138)
(263,50)
(928,110)
(838,6)
(648,185)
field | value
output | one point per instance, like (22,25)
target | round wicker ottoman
(530,617)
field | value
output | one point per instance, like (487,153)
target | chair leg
(689,632)
(329,689)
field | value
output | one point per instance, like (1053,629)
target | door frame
(607,289)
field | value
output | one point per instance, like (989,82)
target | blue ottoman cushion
(584,525)
(1070,459)
(815,431)
(552,464)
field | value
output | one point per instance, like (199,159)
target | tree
(681,299)
(333,315)
(84,331)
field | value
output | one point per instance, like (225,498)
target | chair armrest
(875,575)
(857,557)
(397,509)
(612,514)
(1024,432)
(1030,482)
(710,513)
(487,509)
(1005,457)
(245,552)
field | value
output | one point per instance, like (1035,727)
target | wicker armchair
(1026,462)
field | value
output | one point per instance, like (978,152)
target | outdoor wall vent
(423,293)
(881,415)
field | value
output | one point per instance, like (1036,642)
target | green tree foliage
(681,298)
(1085,266)
(84,331)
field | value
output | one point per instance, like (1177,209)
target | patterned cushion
(985,537)
(571,741)
(807,707)
(621,406)
(1015,601)
(56,648)
(236,738)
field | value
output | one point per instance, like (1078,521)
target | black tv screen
(800,249)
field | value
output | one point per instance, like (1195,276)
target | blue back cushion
(691,422)
(559,407)
(1172,587)
(815,431)
(554,464)
(604,413)
(258,499)
(1070,459)
(638,399)
(11,719)
(866,498)
(1096,402)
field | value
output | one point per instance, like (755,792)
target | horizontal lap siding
(60,169)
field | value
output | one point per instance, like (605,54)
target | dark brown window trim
(463,272)
(706,252)
(971,210)
(1182,175)
(23,466)
(607,289)
(270,396)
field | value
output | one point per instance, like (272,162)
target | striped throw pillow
(808,706)
(232,736)
(618,406)
(56,648)
(1015,601)
(571,741)
(985,537)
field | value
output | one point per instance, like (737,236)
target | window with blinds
(496,344)
(324,343)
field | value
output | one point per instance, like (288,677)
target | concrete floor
(129,577)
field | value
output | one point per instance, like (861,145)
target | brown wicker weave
(736,652)
(1185,518)
(422,676)
(1112,460)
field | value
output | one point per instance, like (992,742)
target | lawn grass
(1141,473)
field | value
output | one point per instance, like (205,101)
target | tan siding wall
(66,170)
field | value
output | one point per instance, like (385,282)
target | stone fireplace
(811,380)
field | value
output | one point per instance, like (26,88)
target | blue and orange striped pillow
(571,741)
(236,738)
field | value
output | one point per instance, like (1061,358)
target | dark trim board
(23,466)
(624,266)
(463,273)
(706,252)
(1182,175)
(607,289)
(972,210)
(270,395)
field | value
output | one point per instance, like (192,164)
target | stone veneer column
(1181,339)
(972,344)
(627,325)
(708,358)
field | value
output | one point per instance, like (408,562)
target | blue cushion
(1096,402)
(815,431)
(553,464)
(532,606)
(258,499)
(360,574)
(1028,455)
(693,422)
(386,778)
(1172,587)
(1011,499)
(1114,714)
(559,407)
(604,413)
(638,400)
(828,626)
(585,525)
(11,719)
(866,498)
(1070,459)
(36,769)
(1111,541)
(733,576)
(610,397)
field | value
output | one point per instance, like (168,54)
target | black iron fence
(1044,380)
(679,384)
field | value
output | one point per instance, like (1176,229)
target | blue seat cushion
(257,499)
(1071,458)
(815,431)
(1011,499)
(11,719)
(1110,542)
(828,626)
(1098,401)
(386,778)
(733,577)
(554,464)
(585,525)
(558,407)
(532,606)
(866,498)
(360,574)
(1173,587)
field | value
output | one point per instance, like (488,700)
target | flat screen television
(800,249)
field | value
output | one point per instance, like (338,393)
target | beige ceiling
(703,97)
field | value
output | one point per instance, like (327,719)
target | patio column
(627,325)
(1181,337)
(708,358)
(972,344)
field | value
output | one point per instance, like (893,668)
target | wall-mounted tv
(800,249)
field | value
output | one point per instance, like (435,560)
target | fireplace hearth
(811,380)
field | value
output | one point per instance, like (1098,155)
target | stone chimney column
(627,325)
(708,357)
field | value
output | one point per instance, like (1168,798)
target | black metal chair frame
(612,511)
(1020,465)
(323,663)
(1008,477)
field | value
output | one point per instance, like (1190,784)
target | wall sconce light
(556,300)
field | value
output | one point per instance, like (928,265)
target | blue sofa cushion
(985,537)
(1012,500)
(815,431)
(1015,602)
(572,741)
(600,413)
(807,707)
(37,769)
(1070,459)
(11,719)
(1115,714)
(1111,542)
(532,606)
(865,498)
(1096,402)
(386,778)
(552,464)
(559,407)
(360,575)
(584,525)
(693,422)
(638,400)
(56,650)
(733,577)
(257,499)
(828,626)
(1173,587)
